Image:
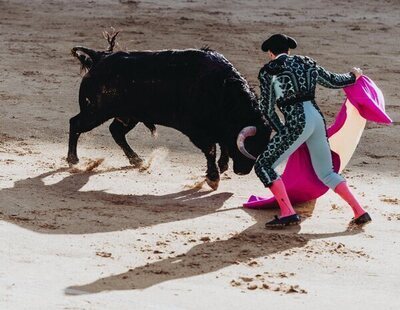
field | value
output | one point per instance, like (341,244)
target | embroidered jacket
(290,79)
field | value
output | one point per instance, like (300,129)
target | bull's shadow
(212,256)
(61,208)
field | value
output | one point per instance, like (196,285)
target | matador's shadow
(61,208)
(212,256)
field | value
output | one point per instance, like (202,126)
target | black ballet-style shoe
(362,219)
(278,222)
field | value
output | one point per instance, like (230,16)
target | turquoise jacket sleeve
(334,80)
(267,101)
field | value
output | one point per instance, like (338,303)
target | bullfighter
(289,82)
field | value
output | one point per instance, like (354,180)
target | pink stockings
(343,191)
(278,189)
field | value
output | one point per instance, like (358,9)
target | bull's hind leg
(223,159)
(119,128)
(79,124)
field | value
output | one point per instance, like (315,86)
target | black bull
(197,92)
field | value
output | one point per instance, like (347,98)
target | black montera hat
(280,41)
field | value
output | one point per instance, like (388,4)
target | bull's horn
(243,134)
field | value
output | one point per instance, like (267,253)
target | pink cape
(302,184)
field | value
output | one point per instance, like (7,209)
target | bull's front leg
(223,159)
(212,176)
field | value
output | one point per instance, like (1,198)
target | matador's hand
(357,72)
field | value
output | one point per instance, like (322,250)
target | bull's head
(246,133)
(250,142)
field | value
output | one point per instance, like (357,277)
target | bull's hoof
(212,183)
(136,162)
(72,159)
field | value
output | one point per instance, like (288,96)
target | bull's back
(171,88)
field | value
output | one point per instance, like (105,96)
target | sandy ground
(106,236)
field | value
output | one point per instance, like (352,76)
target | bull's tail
(89,57)
(86,56)
(131,122)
